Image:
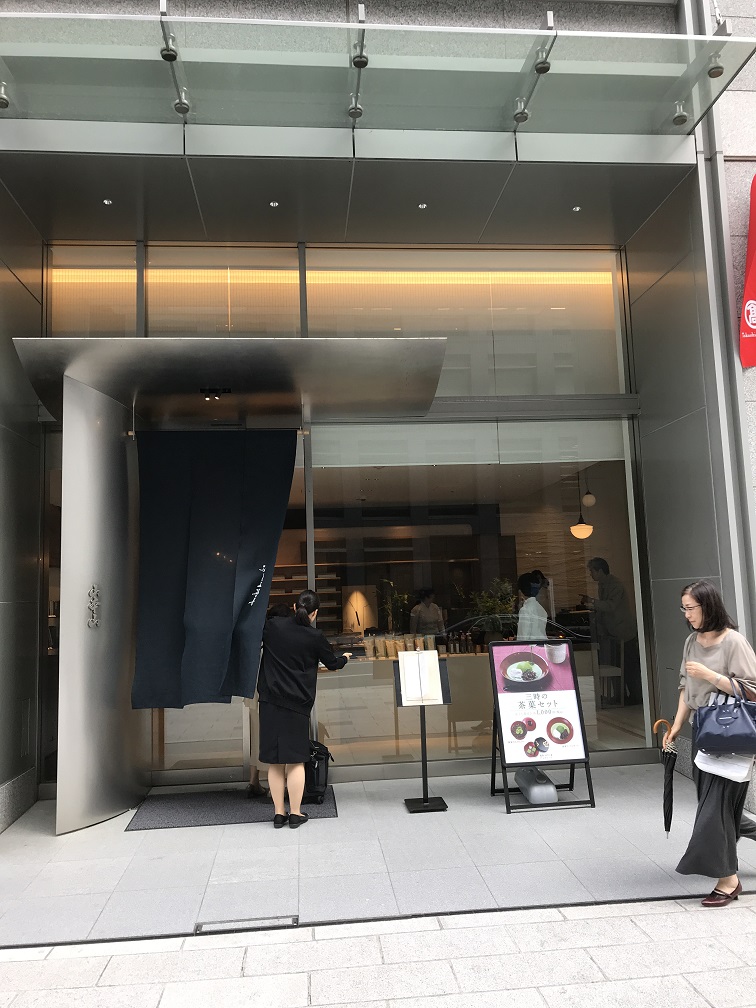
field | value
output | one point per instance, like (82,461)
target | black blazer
(289,667)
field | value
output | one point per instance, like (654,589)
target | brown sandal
(717,898)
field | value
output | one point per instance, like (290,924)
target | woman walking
(292,650)
(714,654)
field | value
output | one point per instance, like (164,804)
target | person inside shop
(256,788)
(532,617)
(615,627)
(426,617)
(292,650)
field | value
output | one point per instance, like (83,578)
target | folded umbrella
(669,758)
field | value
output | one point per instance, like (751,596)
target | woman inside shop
(532,617)
(292,650)
(714,654)
(426,617)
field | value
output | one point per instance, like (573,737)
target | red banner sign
(748,313)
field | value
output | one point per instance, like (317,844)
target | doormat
(216,808)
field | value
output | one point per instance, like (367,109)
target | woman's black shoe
(295,821)
(280,820)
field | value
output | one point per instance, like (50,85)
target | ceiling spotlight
(355,110)
(542,65)
(216,397)
(576,209)
(359,61)
(4,99)
(207,398)
(182,105)
(422,206)
(681,116)
(521,114)
(169,52)
(273,203)
(715,66)
(108,202)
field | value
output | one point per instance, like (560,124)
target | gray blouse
(733,656)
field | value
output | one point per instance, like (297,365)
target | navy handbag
(727,727)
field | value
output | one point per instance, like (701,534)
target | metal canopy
(235,381)
(300,74)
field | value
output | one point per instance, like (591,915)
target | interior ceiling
(514,486)
(227,199)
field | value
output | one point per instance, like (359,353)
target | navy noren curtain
(212,506)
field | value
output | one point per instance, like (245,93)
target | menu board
(420,679)
(538,703)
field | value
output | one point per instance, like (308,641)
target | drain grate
(247,924)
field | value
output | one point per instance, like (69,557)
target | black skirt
(719,824)
(284,735)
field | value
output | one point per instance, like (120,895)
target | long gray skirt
(719,824)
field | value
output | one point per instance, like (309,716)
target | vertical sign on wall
(748,312)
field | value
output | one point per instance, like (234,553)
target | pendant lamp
(581,530)
(589,499)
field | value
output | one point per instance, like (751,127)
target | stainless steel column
(103,745)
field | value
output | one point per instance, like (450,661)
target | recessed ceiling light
(422,206)
(577,209)
(274,203)
(397,328)
(108,202)
(559,309)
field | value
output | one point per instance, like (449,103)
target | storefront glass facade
(464,508)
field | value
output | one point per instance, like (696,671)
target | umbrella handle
(661,721)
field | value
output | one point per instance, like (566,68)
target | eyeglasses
(690,608)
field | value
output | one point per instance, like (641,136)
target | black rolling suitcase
(316,774)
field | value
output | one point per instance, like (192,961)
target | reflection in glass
(92,290)
(525,323)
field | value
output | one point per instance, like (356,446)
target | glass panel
(466,509)
(517,323)
(632,83)
(92,290)
(278,73)
(448,80)
(222,291)
(86,68)
(246,73)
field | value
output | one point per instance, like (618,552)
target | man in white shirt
(532,617)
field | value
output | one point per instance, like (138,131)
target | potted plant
(393,604)
(493,610)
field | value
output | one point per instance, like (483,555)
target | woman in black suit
(292,650)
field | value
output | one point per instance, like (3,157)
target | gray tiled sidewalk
(374,861)
(668,953)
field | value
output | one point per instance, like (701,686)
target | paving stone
(49,974)
(498,917)
(528,998)
(25,954)
(734,923)
(120,948)
(382,927)
(133,996)
(599,910)
(577,934)
(240,939)
(447,944)
(743,945)
(509,972)
(375,983)
(676,993)
(627,962)
(734,988)
(303,958)
(249,992)
(166,967)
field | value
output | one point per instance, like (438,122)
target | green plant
(393,604)
(494,609)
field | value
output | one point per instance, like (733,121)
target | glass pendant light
(581,529)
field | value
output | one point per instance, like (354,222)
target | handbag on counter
(729,765)
(728,724)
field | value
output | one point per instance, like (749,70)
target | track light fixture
(521,114)
(542,64)
(360,60)
(681,116)
(355,110)
(4,99)
(715,66)
(169,52)
(182,105)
